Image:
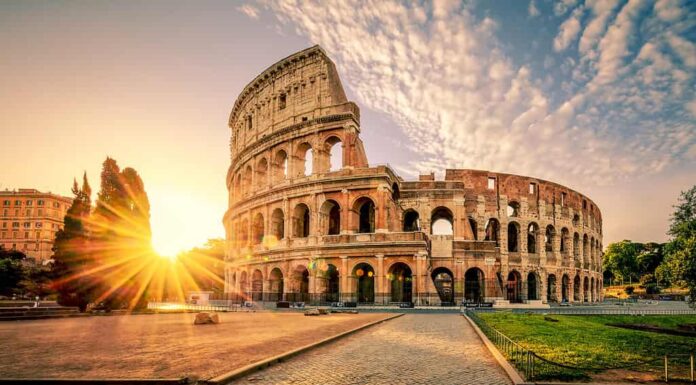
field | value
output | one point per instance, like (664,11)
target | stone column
(379,279)
(343,274)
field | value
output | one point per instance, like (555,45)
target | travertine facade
(30,220)
(309,219)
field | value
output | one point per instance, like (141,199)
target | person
(36,303)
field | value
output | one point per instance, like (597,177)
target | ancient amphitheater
(309,219)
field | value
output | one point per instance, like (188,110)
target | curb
(244,370)
(94,381)
(502,361)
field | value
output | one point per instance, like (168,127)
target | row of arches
(329,221)
(282,165)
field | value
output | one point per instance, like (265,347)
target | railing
(175,306)
(535,367)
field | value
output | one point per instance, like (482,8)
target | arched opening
(592,290)
(532,286)
(586,286)
(442,221)
(331,217)
(513,237)
(513,209)
(576,220)
(280,166)
(332,284)
(549,238)
(365,209)
(301,221)
(305,159)
(576,288)
(275,286)
(238,193)
(278,224)
(365,276)
(532,235)
(396,193)
(474,285)
(576,245)
(444,284)
(474,228)
(243,233)
(246,183)
(257,286)
(244,285)
(565,237)
(300,277)
(262,173)
(401,282)
(551,288)
(493,231)
(592,252)
(411,220)
(334,149)
(565,281)
(585,251)
(257,229)
(514,287)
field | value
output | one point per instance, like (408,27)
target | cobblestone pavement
(412,349)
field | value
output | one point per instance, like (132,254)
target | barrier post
(692,367)
(666,373)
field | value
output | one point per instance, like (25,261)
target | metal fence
(535,367)
(173,306)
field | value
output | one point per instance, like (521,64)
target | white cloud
(562,6)
(691,107)
(601,11)
(684,48)
(568,32)
(249,10)
(532,10)
(668,10)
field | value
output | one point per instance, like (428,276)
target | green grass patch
(587,341)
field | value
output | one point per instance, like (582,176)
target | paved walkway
(412,349)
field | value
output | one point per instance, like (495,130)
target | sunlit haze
(595,107)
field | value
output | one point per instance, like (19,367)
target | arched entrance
(257,286)
(514,287)
(332,284)
(444,284)
(586,286)
(551,288)
(532,286)
(243,286)
(401,282)
(565,282)
(275,286)
(365,276)
(474,285)
(300,277)
(576,288)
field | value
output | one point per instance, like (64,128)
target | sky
(596,95)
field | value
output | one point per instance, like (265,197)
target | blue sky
(598,96)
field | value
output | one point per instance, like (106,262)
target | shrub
(629,290)
(652,288)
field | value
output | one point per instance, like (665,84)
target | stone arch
(364,210)
(278,223)
(565,240)
(257,285)
(513,237)
(300,284)
(364,275)
(513,209)
(474,228)
(444,284)
(493,231)
(301,221)
(396,192)
(576,245)
(565,286)
(576,288)
(330,217)
(532,286)
(514,287)
(261,173)
(400,282)
(280,166)
(592,290)
(411,220)
(275,286)
(585,250)
(586,287)
(244,284)
(474,285)
(549,238)
(333,146)
(592,252)
(551,288)
(442,221)
(243,232)
(258,229)
(246,181)
(238,193)
(333,283)
(304,154)
(532,237)
(576,220)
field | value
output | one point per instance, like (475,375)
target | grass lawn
(587,341)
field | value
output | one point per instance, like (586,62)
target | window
(491,183)
(532,188)
(39,225)
(584,204)
(4,213)
(27,225)
(40,202)
(15,225)
(4,225)
(563,199)
(56,205)
(18,203)
(29,203)
(250,123)
(282,101)
(6,203)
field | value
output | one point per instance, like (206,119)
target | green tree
(11,270)
(681,250)
(72,261)
(37,279)
(650,257)
(620,259)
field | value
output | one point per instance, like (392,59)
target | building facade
(30,220)
(309,219)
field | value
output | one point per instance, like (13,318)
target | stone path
(412,349)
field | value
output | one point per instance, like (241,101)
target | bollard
(692,367)
(666,374)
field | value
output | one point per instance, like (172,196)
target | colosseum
(310,220)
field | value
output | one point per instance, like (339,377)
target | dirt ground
(163,345)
